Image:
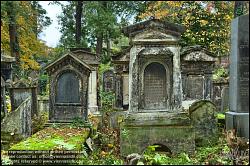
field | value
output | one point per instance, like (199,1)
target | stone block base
(140,130)
(238,121)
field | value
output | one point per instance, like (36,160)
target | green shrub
(107,99)
(43,81)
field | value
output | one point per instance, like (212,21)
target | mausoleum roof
(64,57)
(197,53)
(85,55)
(171,28)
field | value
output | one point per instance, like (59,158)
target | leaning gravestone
(238,115)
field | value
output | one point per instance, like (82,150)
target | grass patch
(64,138)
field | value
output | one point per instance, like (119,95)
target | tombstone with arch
(69,82)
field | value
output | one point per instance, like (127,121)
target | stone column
(133,79)
(177,82)
(92,93)
(238,115)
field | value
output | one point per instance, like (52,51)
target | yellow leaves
(161,14)
(28,43)
(203,22)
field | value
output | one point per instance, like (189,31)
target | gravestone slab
(108,81)
(224,99)
(203,117)
(238,115)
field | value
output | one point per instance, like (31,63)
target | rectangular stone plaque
(194,87)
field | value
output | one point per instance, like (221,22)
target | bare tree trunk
(34,6)
(108,44)
(78,17)
(99,43)
(14,47)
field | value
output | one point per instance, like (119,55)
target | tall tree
(207,22)
(11,10)
(40,18)
(27,46)
(100,23)
(72,24)
(78,16)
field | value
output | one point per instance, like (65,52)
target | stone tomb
(6,66)
(238,115)
(121,69)
(155,90)
(197,65)
(22,89)
(85,55)
(69,84)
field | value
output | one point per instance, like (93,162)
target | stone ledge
(157,119)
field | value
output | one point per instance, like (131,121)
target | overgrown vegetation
(221,73)
(61,138)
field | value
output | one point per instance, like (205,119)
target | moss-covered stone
(172,130)
(65,138)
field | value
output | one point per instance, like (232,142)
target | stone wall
(42,104)
(19,120)
(173,131)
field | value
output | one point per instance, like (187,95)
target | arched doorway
(155,86)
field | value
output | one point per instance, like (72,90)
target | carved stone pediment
(87,57)
(153,34)
(197,53)
(67,59)
(167,27)
(198,56)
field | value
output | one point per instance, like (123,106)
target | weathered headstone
(108,81)
(69,83)
(20,91)
(238,115)
(224,99)
(197,64)
(203,117)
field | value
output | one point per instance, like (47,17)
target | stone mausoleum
(73,90)
(155,114)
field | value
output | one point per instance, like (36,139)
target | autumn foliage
(29,45)
(207,22)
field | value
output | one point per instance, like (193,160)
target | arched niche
(154,89)
(67,88)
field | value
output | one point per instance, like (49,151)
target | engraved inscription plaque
(155,86)
(244,75)
(67,89)
(195,87)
